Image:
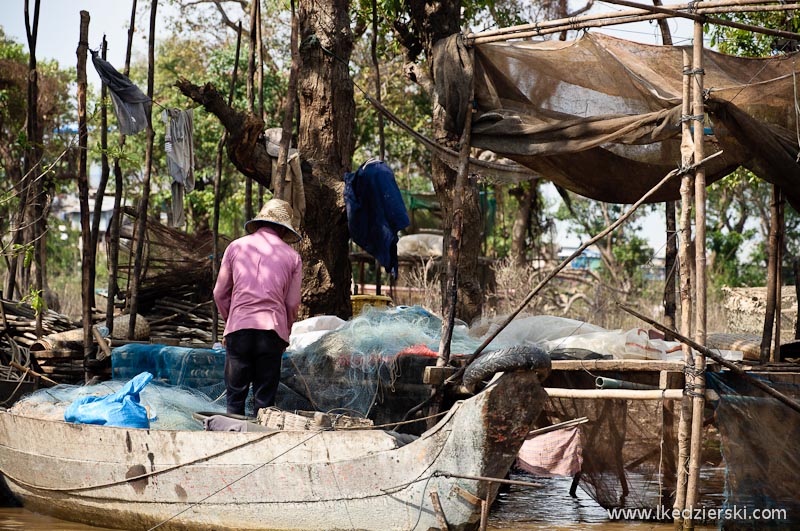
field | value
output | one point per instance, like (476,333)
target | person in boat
(258,294)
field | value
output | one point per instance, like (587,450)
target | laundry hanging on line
(293,190)
(179,145)
(131,106)
(375,211)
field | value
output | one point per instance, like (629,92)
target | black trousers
(252,356)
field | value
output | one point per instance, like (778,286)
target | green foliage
(746,43)
(35,298)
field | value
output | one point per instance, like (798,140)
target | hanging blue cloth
(375,211)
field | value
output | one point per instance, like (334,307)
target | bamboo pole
(615,394)
(83,186)
(617,18)
(698,387)
(288,109)
(706,19)
(684,253)
(563,21)
(796,268)
(148,163)
(113,240)
(217,190)
(707,352)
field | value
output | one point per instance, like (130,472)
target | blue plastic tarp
(121,409)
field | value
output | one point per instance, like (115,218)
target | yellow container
(378,301)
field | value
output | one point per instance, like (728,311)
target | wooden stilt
(83,186)
(217,192)
(148,163)
(671,254)
(776,349)
(288,111)
(698,386)
(113,243)
(484,515)
(772,276)
(437,508)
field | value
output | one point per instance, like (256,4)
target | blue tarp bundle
(375,211)
(121,409)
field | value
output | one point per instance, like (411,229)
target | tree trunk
(326,143)
(427,24)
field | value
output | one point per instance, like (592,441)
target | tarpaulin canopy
(600,116)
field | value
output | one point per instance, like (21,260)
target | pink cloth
(258,285)
(555,453)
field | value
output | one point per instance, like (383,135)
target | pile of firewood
(187,323)
(20,322)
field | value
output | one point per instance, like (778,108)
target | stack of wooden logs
(63,362)
(185,322)
(21,322)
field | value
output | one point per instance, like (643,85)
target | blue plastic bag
(121,409)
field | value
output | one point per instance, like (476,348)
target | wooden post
(684,254)
(772,277)
(217,188)
(148,163)
(113,240)
(797,295)
(33,157)
(698,387)
(251,94)
(454,247)
(104,175)
(83,185)
(288,110)
(776,349)
(381,139)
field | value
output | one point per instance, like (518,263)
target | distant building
(588,260)
(67,208)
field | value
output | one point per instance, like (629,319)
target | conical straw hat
(278,212)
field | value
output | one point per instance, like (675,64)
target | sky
(59,25)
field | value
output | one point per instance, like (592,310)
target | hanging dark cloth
(375,211)
(131,105)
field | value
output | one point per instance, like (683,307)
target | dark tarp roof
(600,116)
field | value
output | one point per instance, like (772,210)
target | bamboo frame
(638,14)
(705,19)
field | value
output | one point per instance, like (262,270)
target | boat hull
(137,479)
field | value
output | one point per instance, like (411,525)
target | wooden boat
(360,479)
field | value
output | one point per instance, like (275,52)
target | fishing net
(629,451)
(759,440)
(373,364)
(170,408)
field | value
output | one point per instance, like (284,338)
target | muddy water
(519,509)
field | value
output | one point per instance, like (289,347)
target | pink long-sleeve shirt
(258,285)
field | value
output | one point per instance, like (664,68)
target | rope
(147,475)
(259,467)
